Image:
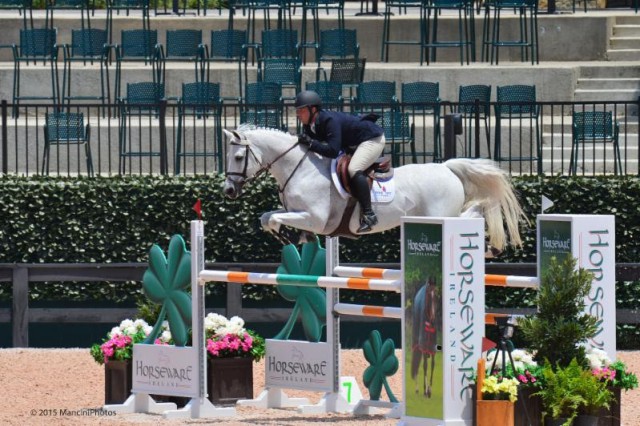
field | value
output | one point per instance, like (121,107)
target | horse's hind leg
(425,363)
(415,378)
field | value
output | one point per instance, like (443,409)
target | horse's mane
(245,128)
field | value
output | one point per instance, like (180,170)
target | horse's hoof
(429,393)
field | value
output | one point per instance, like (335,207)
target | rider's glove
(304,139)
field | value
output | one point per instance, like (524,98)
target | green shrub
(117,219)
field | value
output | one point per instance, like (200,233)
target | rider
(328,133)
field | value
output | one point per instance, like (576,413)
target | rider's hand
(304,139)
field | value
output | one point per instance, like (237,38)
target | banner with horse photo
(443,322)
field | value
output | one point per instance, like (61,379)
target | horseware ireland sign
(443,321)
(295,364)
(165,370)
(591,240)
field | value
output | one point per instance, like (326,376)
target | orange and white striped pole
(511,281)
(300,280)
(368,310)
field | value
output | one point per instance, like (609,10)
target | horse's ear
(231,134)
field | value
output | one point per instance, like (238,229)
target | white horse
(457,187)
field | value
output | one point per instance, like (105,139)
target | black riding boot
(360,190)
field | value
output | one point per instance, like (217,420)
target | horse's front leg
(275,219)
(433,367)
(267,225)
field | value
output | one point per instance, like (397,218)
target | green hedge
(49,220)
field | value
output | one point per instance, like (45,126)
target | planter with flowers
(496,397)
(617,378)
(115,353)
(231,351)
(528,406)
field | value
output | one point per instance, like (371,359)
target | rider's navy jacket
(340,132)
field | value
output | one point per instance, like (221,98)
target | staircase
(618,82)
(624,44)
(618,79)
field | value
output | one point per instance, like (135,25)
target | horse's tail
(490,187)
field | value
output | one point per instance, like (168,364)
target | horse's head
(240,166)
(252,153)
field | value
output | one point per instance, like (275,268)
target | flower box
(528,408)
(229,379)
(611,417)
(117,381)
(494,412)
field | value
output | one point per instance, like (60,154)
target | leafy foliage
(115,219)
(559,396)
(624,378)
(560,324)
(383,363)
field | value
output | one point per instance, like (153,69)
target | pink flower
(605,373)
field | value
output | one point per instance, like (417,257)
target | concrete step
(608,83)
(609,70)
(626,30)
(623,55)
(559,143)
(562,126)
(605,95)
(554,82)
(558,159)
(622,43)
(626,19)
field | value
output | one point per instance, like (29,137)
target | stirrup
(367,221)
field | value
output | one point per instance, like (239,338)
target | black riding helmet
(308,98)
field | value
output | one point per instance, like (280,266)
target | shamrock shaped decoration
(310,302)
(383,362)
(165,282)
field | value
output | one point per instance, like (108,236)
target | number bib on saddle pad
(382,190)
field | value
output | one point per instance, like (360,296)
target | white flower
(165,335)
(597,357)
(126,324)
(114,331)
(521,359)
(214,322)
(129,328)
(236,325)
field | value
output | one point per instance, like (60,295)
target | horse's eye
(240,154)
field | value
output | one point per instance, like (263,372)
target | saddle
(380,170)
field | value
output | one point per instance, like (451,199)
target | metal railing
(160,139)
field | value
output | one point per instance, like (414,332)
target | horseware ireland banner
(443,321)
(591,240)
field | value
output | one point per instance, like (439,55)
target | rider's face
(304,115)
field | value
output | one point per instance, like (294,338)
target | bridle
(263,167)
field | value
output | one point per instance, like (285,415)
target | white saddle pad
(381,191)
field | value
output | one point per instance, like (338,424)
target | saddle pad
(381,191)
